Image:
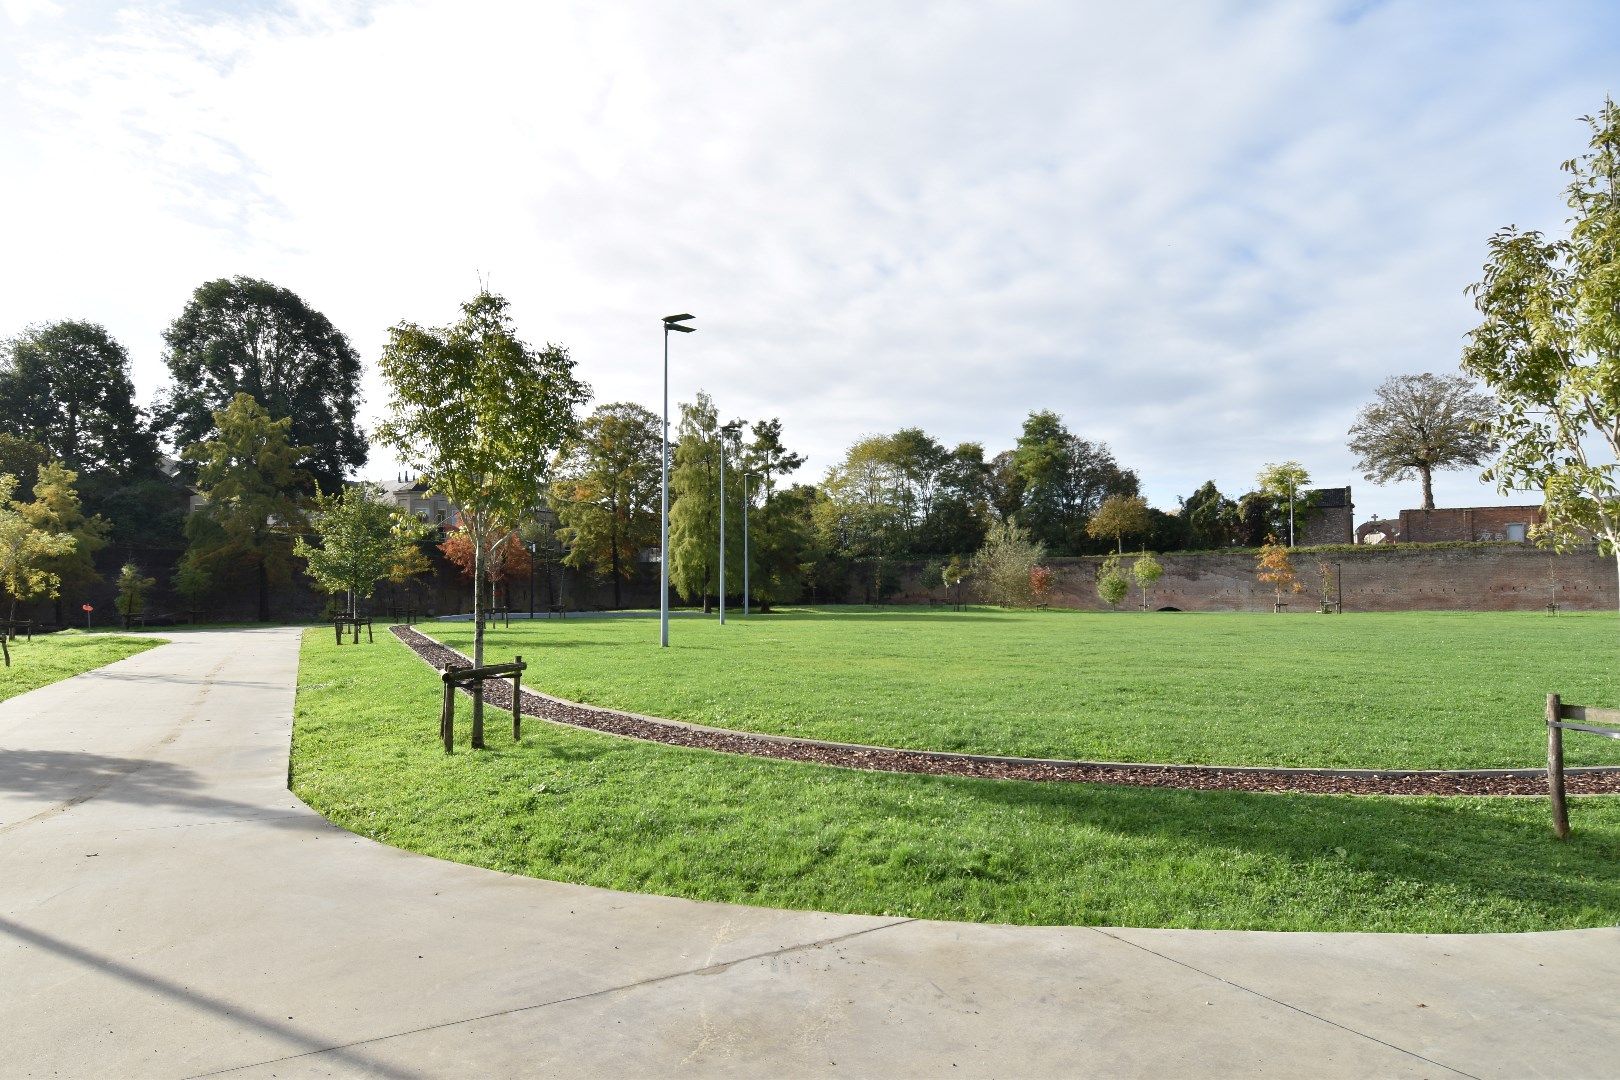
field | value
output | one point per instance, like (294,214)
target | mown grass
(50,658)
(1410,690)
(583,807)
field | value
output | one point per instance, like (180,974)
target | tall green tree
(861,512)
(243,335)
(56,509)
(66,386)
(1285,482)
(253,500)
(1548,344)
(22,458)
(694,489)
(779,523)
(363,539)
(606,491)
(479,415)
(1065,479)
(1120,516)
(1210,517)
(1420,423)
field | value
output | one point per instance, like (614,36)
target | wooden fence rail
(1591,720)
(457,677)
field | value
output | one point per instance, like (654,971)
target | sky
(1202,233)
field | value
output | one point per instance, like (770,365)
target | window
(1516,532)
(438,517)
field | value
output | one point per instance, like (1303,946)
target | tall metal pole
(663,515)
(745,545)
(722,526)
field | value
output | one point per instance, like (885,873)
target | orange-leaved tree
(1275,568)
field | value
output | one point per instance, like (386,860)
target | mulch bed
(498,694)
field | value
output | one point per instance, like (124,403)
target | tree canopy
(1065,478)
(1420,423)
(66,386)
(606,490)
(1548,345)
(363,539)
(243,335)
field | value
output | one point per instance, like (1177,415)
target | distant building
(1330,520)
(1378,531)
(1511,523)
(412,497)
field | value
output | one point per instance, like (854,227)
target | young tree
(694,514)
(26,550)
(1112,583)
(1002,566)
(363,539)
(66,385)
(1284,482)
(953,573)
(1147,571)
(479,414)
(132,590)
(253,504)
(606,490)
(1274,567)
(1420,423)
(1120,516)
(1041,583)
(56,510)
(1548,345)
(242,335)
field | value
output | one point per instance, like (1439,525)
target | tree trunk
(264,592)
(613,547)
(478,638)
(1428,486)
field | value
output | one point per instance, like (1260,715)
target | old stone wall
(1485,577)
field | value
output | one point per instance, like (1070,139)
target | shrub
(1003,565)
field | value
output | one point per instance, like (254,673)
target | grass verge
(51,658)
(1408,690)
(583,807)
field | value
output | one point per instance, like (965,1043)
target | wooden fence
(1562,718)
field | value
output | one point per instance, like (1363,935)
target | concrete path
(168,909)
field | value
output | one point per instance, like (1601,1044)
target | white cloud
(1201,233)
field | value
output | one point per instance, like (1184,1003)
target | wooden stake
(517,701)
(447,718)
(1555,768)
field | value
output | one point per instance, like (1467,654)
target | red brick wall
(1507,577)
(1469,523)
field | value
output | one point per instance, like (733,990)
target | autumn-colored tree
(1041,583)
(505,562)
(1276,568)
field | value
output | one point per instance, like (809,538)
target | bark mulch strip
(498,693)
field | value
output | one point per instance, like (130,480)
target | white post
(745,545)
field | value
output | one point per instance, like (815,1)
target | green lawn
(1413,690)
(53,657)
(579,806)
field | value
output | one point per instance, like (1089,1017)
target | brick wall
(1464,523)
(1403,578)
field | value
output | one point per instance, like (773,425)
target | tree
(1147,571)
(1065,479)
(1120,516)
(861,513)
(1210,517)
(253,504)
(953,573)
(694,514)
(961,509)
(479,414)
(1283,482)
(606,491)
(56,510)
(22,458)
(506,561)
(1002,565)
(1041,583)
(363,539)
(1274,567)
(66,386)
(132,590)
(1548,345)
(1112,584)
(243,335)
(1420,423)
(26,550)
(780,523)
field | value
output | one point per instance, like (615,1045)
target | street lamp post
(745,544)
(722,526)
(671,322)
(533,547)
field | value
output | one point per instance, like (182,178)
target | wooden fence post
(1555,768)
(517,700)
(447,717)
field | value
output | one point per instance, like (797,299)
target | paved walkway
(168,909)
